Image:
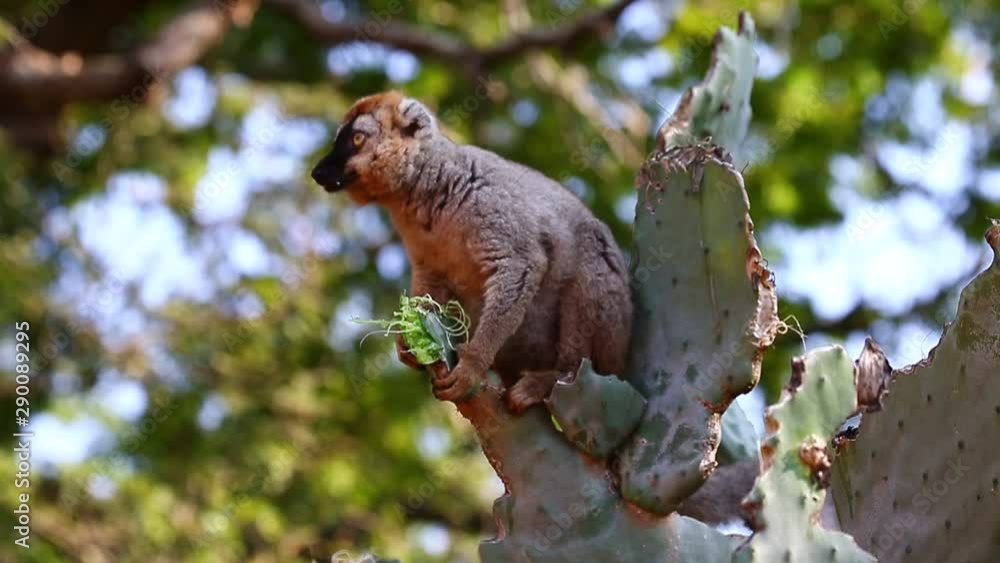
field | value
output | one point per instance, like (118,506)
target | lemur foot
(533,388)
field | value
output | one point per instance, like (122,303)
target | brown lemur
(541,278)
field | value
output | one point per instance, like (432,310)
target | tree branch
(573,85)
(446,47)
(563,37)
(35,83)
(416,40)
(37,77)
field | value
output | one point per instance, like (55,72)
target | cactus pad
(719,107)
(920,483)
(797,455)
(705,306)
(739,437)
(704,311)
(596,413)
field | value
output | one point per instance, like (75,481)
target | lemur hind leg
(595,319)
(531,389)
(576,336)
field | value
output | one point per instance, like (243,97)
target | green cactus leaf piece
(596,412)
(719,108)
(920,483)
(705,309)
(797,453)
(739,437)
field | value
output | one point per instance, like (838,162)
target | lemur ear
(418,121)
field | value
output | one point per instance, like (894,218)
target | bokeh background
(199,392)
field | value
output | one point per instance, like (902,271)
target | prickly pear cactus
(921,481)
(559,505)
(705,306)
(704,311)
(797,456)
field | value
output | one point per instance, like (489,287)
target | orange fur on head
(375,170)
(370,104)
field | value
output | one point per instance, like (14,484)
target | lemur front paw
(456,384)
(404,354)
(461,382)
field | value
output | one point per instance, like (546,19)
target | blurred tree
(199,392)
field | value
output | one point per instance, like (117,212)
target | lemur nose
(324,176)
(320,174)
(331,177)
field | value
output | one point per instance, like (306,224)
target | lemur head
(375,148)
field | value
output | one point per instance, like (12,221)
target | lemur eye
(358,139)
